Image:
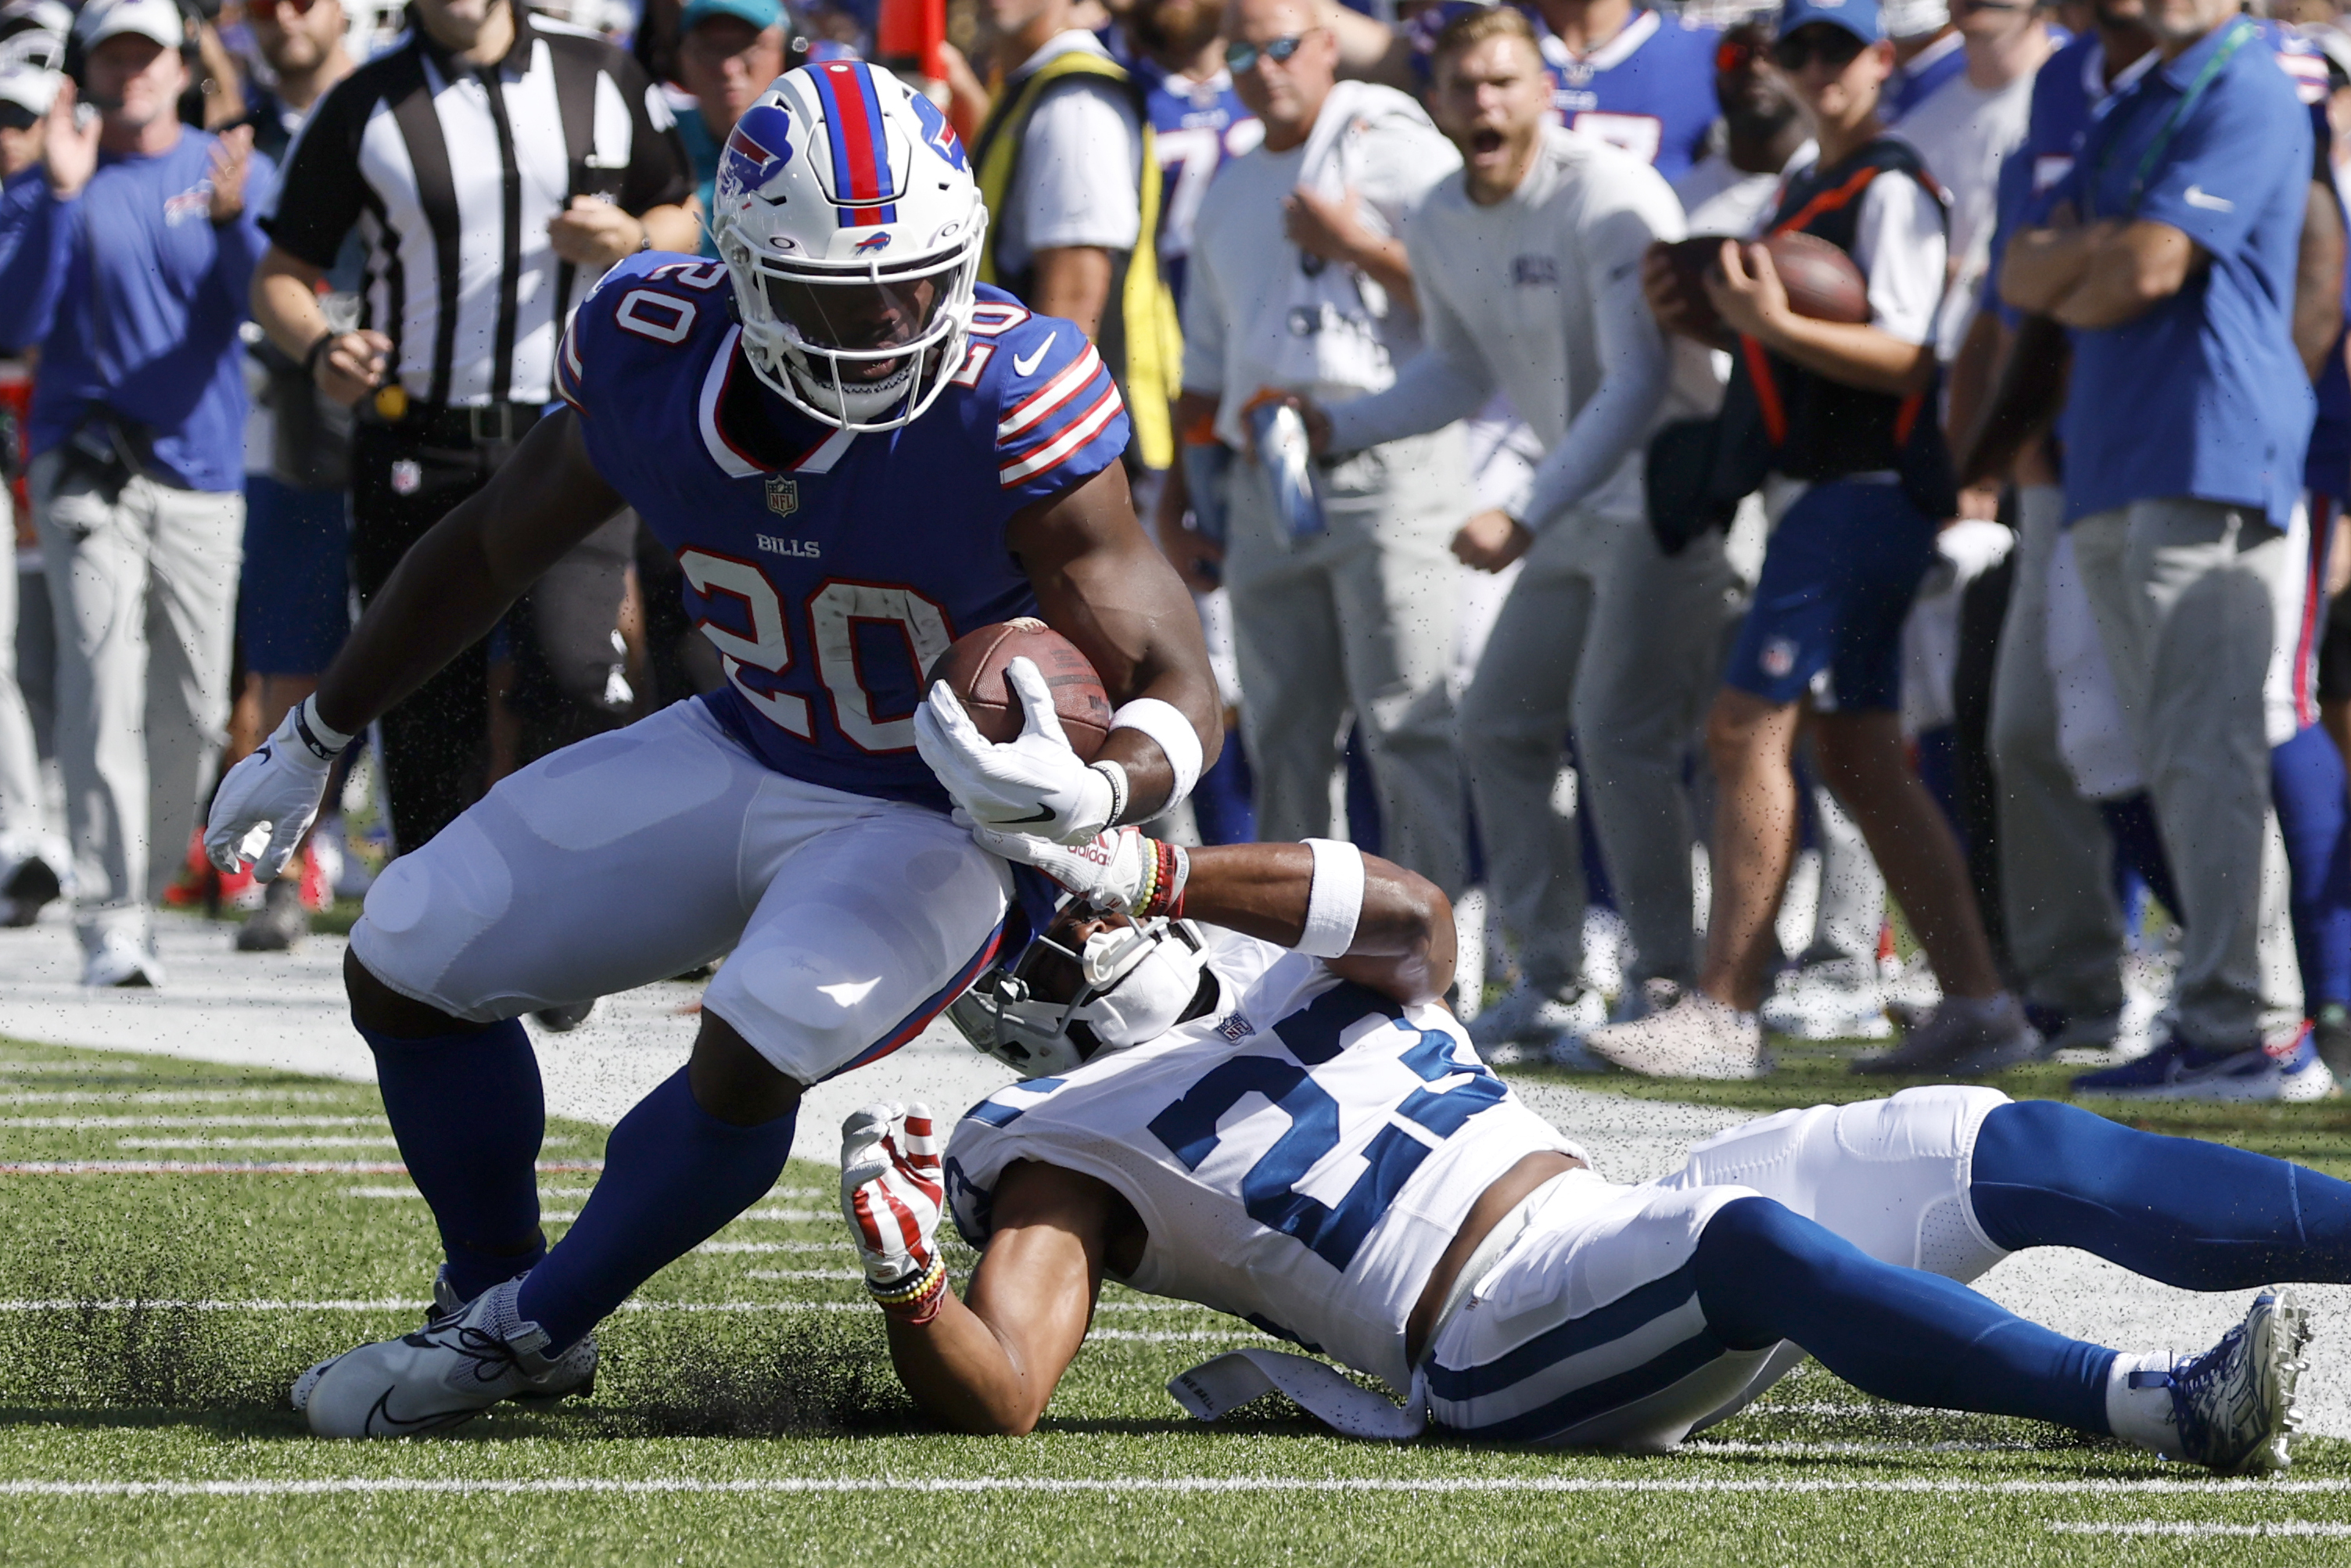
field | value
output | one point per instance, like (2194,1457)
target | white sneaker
(1608,950)
(446,1374)
(119,959)
(1531,1014)
(446,1303)
(1962,1038)
(1698,1037)
(1827,1002)
(2233,1406)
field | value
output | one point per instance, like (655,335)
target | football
(973,668)
(1822,280)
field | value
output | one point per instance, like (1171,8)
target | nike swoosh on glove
(892,1195)
(1035,785)
(1122,870)
(267,802)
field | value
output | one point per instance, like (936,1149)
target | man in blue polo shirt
(2172,252)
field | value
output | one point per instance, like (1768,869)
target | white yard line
(240,1167)
(101,1124)
(170,1096)
(402,1303)
(803,1274)
(386,1142)
(2189,1529)
(1179,1485)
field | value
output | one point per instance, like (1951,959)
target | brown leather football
(1822,280)
(973,668)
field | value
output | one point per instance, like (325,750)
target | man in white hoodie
(1529,264)
(1299,284)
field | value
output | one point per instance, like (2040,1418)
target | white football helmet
(850,223)
(1135,983)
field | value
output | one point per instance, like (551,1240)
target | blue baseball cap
(760,14)
(1858,17)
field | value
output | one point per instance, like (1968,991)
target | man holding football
(856,453)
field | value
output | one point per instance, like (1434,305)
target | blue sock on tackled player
(673,1176)
(2201,1216)
(469,1114)
(1766,1273)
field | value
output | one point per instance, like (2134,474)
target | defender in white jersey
(1528,267)
(1279,1119)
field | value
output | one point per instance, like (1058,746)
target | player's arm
(2103,275)
(987,1364)
(1101,583)
(445,595)
(1750,299)
(2318,277)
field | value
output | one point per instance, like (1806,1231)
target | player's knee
(380,1009)
(732,1082)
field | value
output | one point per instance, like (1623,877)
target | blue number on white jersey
(1425,1118)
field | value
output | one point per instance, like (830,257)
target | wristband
(317,351)
(325,742)
(1335,902)
(1165,724)
(915,1301)
(1116,774)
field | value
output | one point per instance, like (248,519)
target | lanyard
(2156,148)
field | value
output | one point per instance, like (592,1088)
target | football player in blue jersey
(1197,120)
(857,454)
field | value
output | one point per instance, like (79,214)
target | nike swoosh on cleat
(396,1425)
(1024,367)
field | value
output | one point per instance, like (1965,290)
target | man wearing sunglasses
(1834,422)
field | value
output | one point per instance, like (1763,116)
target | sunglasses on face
(1240,57)
(1835,48)
(293,7)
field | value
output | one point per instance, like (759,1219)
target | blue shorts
(1838,578)
(293,596)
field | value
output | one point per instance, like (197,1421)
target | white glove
(1122,870)
(892,1196)
(268,801)
(1034,785)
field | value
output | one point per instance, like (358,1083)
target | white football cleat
(1698,1037)
(2233,1406)
(446,1303)
(445,1374)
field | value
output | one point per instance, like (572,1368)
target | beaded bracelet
(915,1301)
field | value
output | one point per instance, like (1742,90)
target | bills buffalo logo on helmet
(756,152)
(872,243)
(937,134)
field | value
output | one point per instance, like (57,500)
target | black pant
(561,639)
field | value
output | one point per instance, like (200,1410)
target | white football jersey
(1301,1155)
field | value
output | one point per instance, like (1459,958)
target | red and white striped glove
(892,1196)
(1123,868)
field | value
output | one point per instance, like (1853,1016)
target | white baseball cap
(156,19)
(29,88)
(1911,18)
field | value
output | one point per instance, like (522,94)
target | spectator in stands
(477,325)
(32,863)
(728,53)
(2172,254)
(130,273)
(1066,166)
(1527,265)
(1631,76)
(1826,418)
(1298,283)
(1928,52)
(294,595)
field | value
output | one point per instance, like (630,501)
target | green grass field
(745,1412)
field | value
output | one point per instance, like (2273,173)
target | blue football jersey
(1649,90)
(1197,125)
(830,570)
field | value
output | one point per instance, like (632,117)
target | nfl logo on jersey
(783,495)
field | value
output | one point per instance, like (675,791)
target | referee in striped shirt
(494,164)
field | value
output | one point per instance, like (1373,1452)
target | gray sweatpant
(144,592)
(2183,592)
(1604,633)
(20,764)
(2056,859)
(1358,620)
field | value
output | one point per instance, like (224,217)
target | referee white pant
(1606,633)
(144,592)
(2057,858)
(1359,620)
(2186,593)
(20,764)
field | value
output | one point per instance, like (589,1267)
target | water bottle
(1289,464)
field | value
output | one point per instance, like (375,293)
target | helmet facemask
(1135,982)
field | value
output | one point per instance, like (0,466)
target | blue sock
(469,1115)
(673,1175)
(1766,1273)
(2307,782)
(2201,1216)
(2138,843)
